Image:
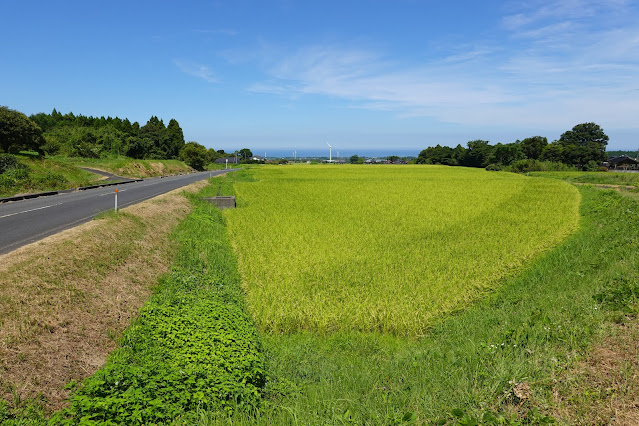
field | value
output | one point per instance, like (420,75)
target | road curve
(26,221)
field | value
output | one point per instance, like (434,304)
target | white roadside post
(227,164)
(116,200)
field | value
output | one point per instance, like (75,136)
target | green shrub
(8,161)
(531,165)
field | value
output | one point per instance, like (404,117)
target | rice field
(385,248)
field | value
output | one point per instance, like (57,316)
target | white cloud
(558,63)
(196,70)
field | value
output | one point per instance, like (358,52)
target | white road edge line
(27,211)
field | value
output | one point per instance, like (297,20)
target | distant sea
(342,153)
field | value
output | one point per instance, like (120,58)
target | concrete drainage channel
(82,188)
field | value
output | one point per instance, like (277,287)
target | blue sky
(361,75)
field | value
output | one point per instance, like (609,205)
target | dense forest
(95,137)
(583,147)
(82,136)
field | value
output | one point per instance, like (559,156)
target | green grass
(375,248)
(41,175)
(605,178)
(528,330)
(59,172)
(130,167)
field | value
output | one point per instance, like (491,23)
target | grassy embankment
(193,347)
(65,300)
(41,175)
(129,167)
(59,173)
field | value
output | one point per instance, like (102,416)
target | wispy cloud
(196,70)
(559,62)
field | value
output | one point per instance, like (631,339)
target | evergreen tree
(174,139)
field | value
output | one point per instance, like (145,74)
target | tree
(245,154)
(18,133)
(506,154)
(354,159)
(154,131)
(195,155)
(138,147)
(477,154)
(584,143)
(174,139)
(533,147)
(437,155)
(553,152)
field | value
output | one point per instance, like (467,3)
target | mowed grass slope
(386,249)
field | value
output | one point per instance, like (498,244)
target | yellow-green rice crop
(386,248)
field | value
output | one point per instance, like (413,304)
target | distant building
(622,162)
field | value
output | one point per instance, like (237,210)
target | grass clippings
(65,299)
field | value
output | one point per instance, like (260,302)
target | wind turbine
(330,153)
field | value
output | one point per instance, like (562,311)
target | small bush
(591,166)
(8,161)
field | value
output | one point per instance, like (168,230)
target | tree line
(583,147)
(94,137)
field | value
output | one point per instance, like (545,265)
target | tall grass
(332,249)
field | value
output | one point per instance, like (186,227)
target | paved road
(26,221)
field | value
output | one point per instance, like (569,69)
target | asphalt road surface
(26,221)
